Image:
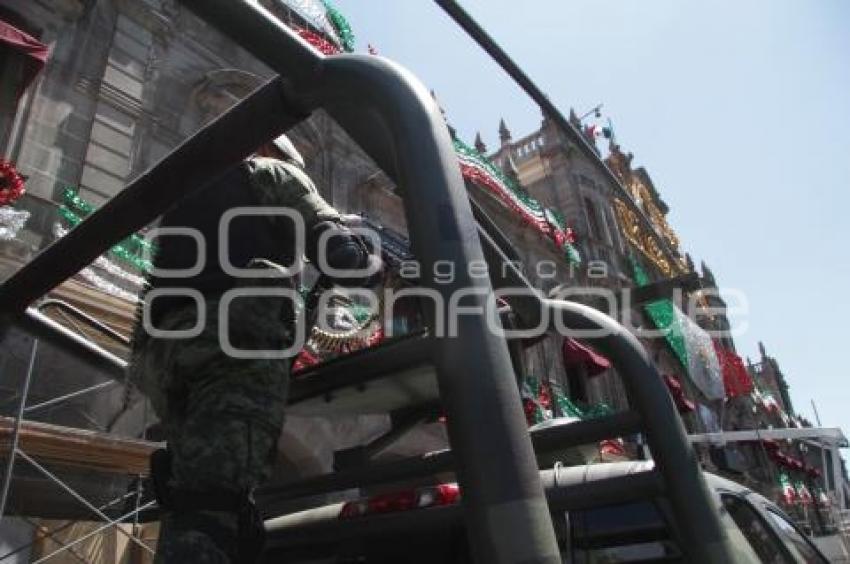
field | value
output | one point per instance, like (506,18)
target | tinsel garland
(663,316)
(789,494)
(106,286)
(803,493)
(107,265)
(354,327)
(317,41)
(11,221)
(823,499)
(11,183)
(316,13)
(119,250)
(133,243)
(540,401)
(580,411)
(478,169)
(343,29)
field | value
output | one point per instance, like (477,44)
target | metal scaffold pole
(16,433)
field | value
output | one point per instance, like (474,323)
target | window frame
(771,530)
(777,513)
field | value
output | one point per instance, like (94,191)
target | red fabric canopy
(576,353)
(36,52)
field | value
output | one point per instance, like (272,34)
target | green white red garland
(132,250)
(341,25)
(478,169)
(316,13)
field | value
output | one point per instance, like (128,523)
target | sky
(740,111)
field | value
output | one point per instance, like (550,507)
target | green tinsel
(118,250)
(493,170)
(133,243)
(566,406)
(580,411)
(597,410)
(341,25)
(554,217)
(663,315)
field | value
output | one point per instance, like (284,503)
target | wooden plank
(79,448)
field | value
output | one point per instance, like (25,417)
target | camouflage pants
(222,417)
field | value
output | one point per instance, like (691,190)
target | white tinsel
(106,286)
(317,14)
(107,265)
(11,221)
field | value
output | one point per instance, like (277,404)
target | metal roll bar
(393,118)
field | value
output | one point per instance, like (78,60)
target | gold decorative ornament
(641,239)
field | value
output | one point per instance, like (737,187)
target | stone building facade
(129,80)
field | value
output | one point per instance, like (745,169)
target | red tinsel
(613,447)
(11,183)
(530,409)
(477,176)
(376,337)
(304,360)
(318,42)
(736,379)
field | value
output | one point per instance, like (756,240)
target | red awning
(36,52)
(576,353)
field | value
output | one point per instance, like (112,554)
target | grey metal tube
(704,538)
(507,516)
(675,459)
(233,136)
(16,433)
(545,440)
(391,115)
(86,318)
(46,329)
(477,33)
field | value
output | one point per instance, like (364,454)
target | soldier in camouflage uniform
(222,415)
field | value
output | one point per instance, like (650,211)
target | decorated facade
(112,86)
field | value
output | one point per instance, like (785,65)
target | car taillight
(432,496)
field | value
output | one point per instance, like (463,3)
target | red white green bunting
(803,493)
(478,169)
(789,494)
(325,17)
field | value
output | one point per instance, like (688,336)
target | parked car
(426,524)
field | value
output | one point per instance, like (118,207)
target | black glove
(344,251)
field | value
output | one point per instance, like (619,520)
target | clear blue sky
(740,111)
